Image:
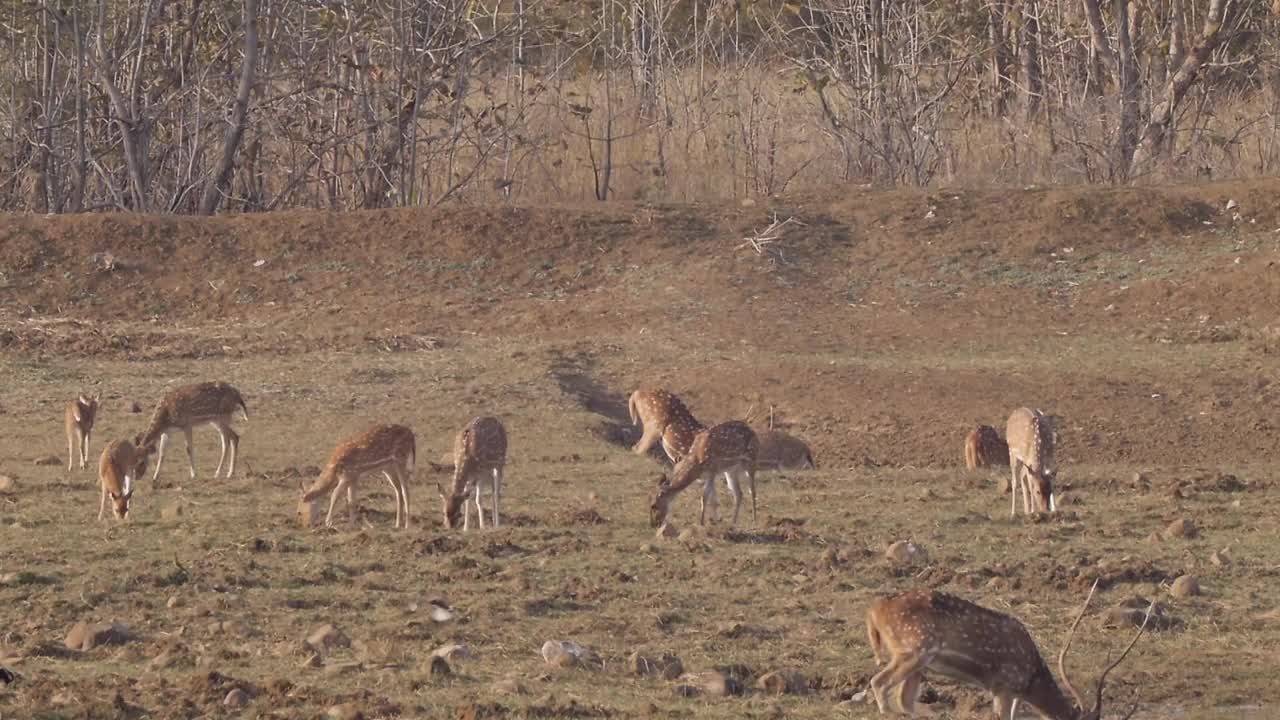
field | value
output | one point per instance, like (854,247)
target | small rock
(7,483)
(343,668)
(313,661)
(667,531)
(85,636)
(440,666)
(439,611)
(509,686)
(712,684)
(325,638)
(452,652)
(667,665)
(174,601)
(1232,204)
(565,653)
(648,548)
(1220,558)
(786,681)
(907,553)
(1185,586)
(48,460)
(1181,528)
(345,711)
(236,699)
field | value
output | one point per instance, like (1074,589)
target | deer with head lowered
(927,631)
(79,417)
(183,408)
(730,448)
(386,449)
(119,468)
(1030,435)
(479,456)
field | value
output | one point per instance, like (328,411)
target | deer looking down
(1030,435)
(983,447)
(388,449)
(119,468)
(664,417)
(183,408)
(728,448)
(925,630)
(479,455)
(79,417)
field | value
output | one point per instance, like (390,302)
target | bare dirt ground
(882,326)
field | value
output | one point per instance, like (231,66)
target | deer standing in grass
(925,630)
(79,417)
(1030,437)
(664,417)
(386,449)
(728,448)
(479,455)
(782,451)
(119,468)
(186,407)
(983,447)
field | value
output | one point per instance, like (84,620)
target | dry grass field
(881,326)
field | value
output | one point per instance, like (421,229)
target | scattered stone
(236,699)
(1131,612)
(1140,479)
(714,684)
(7,483)
(1181,528)
(48,461)
(667,665)
(690,534)
(510,686)
(440,666)
(1184,587)
(167,658)
(134,407)
(345,711)
(906,553)
(786,681)
(1220,558)
(233,628)
(85,636)
(343,668)
(565,653)
(175,600)
(324,638)
(313,661)
(452,652)
(648,548)
(667,531)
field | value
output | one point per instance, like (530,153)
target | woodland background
(206,105)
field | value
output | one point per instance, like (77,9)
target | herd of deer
(916,631)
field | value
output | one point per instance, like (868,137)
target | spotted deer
(479,455)
(664,418)
(730,447)
(781,451)
(928,631)
(79,416)
(186,407)
(1030,437)
(119,468)
(983,447)
(387,449)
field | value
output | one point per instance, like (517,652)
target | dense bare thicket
(207,105)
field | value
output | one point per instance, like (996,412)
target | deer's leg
(71,452)
(907,694)
(234,439)
(1005,705)
(404,494)
(751,484)
(351,502)
(1026,490)
(497,493)
(84,448)
(164,440)
(395,491)
(900,670)
(736,490)
(708,499)
(1013,488)
(479,505)
(222,457)
(102,504)
(191,451)
(651,434)
(333,499)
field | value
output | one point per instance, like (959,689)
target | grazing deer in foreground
(121,465)
(983,447)
(183,408)
(1030,437)
(388,449)
(664,417)
(479,455)
(782,451)
(925,630)
(729,448)
(79,418)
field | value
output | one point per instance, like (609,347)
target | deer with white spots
(664,418)
(1030,435)
(186,407)
(119,468)
(79,417)
(730,448)
(386,449)
(479,456)
(927,631)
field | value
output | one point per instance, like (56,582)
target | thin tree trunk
(239,114)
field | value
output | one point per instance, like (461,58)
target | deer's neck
(1048,698)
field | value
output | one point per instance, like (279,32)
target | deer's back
(1030,437)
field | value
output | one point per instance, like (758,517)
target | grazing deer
(121,465)
(1030,437)
(479,454)
(983,447)
(729,448)
(388,449)
(79,418)
(664,417)
(925,630)
(781,451)
(184,408)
